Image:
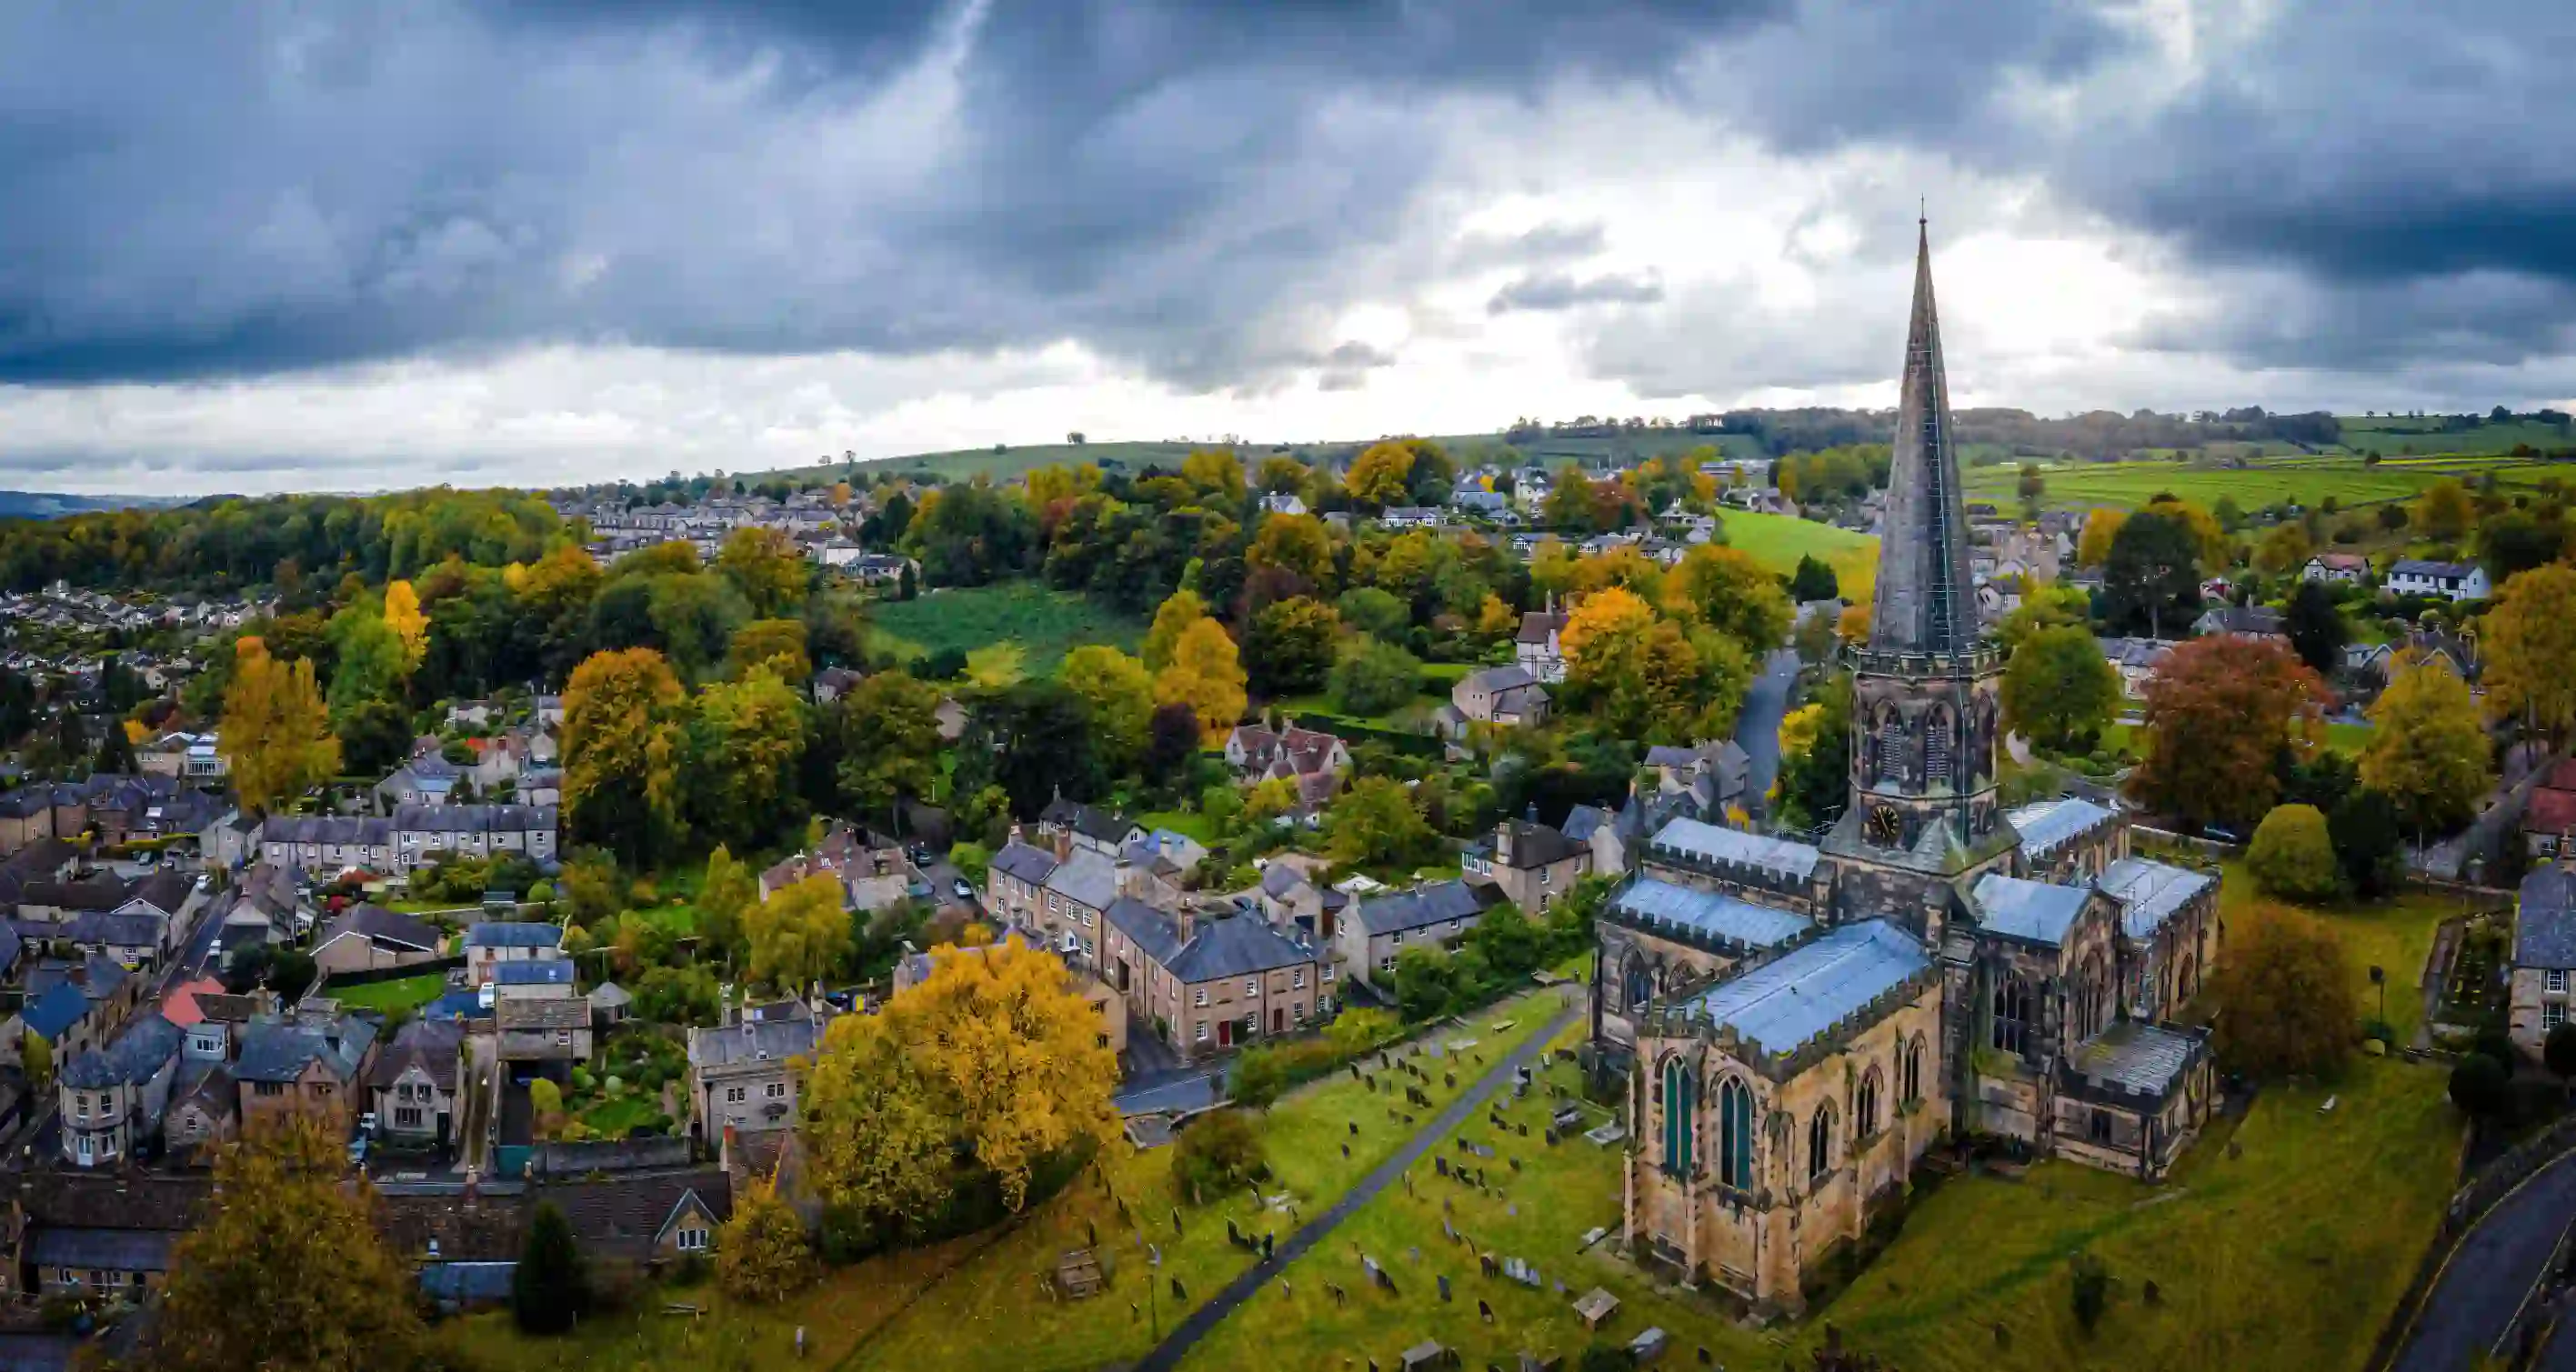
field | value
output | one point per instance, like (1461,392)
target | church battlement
(1977,659)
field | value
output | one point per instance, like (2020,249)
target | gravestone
(1440,1165)
(1179,1292)
(1355,1128)
(1265,1247)
(1444,1290)
(1484,1311)
(1346,1150)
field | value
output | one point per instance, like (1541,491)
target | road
(2493,1269)
(1757,726)
(1206,1318)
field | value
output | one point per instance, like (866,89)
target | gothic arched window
(1891,747)
(1981,744)
(1680,1106)
(1940,742)
(2012,1015)
(1820,1143)
(1865,1109)
(1641,983)
(1914,1069)
(1735,1135)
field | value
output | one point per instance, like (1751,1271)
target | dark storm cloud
(1555,291)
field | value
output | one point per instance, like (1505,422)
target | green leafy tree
(1377,822)
(2059,691)
(2289,995)
(1375,612)
(1727,590)
(1220,1151)
(725,897)
(2427,751)
(2316,627)
(2292,855)
(1290,648)
(1814,782)
(1117,695)
(1814,580)
(2369,840)
(550,1288)
(887,728)
(36,1059)
(2481,1086)
(762,1256)
(1370,677)
(2151,582)
(2558,1051)
(747,741)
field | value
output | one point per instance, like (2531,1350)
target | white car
(962,890)
(483,996)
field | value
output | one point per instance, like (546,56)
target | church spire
(1925,601)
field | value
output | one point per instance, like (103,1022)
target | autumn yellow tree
(1215,474)
(1381,475)
(799,935)
(778,642)
(1015,1053)
(761,1255)
(1117,697)
(2530,650)
(1294,543)
(2427,750)
(409,622)
(2093,547)
(1495,620)
(2210,540)
(623,745)
(1172,618)
(276,734)
(748,737)
(288,1272)
(878,1135)
(1600,618)
(1725,589)
(764,564)
(2445,510)
(1206,674)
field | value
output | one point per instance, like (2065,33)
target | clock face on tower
(1885,825)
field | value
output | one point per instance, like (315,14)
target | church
(1798,1024)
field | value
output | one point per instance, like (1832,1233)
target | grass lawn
(611,1118)
(2261,1261)
(1778,541)
(2348,739)
(2394,934)
(1041,622)
(408,993)
(1189,823)
(2304,480)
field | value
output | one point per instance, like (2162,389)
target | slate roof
(534,972)
(570,1012)
(1536,625)
(2035,911)
(165,890)
(1782,1004)
(340,830)
(621,1218)
(279,1051)
(106,928)
(1090,821)
(98,891)
(1496,680)
(2048,825)
(380,925)
(139,1052)
(11,947)
(475,819)
(1534,846)
(1420,908)
(1024,863)
(1582,821)
(2417,566)
(1710,843)
(1087,879)
(2544,928)
(110,1250)
(1218,948)
(774,1039)
(2150,892)
(430,1045)
(1709,912)
(514,934)
(2135,1057)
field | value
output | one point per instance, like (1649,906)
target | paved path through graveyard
(1206,1318)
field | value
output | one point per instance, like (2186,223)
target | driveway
(1757,726)
(2494,1268)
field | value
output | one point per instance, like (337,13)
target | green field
(1043,623)
(407,993)
(1778,541)
(2395,935)
(2306,481)
(2393,437)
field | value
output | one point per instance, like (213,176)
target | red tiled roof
(2562,777)
(2552,811)
(180,1006)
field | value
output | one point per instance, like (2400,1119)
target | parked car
(961,889)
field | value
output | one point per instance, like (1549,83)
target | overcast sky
(295,246)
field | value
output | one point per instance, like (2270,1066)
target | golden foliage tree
(288,1272)
(2445,510)
(1014,1052)
(751,738)
(1294,543)
(1117,697)
(798,935)
(762,1256)
(764,564)
(1216,474)
(878,1137)
(777,642)
(2428,750)
(2531,650)
(409,622)
(1728,591)
(725,897)
(1172,619)
(623,745)
(2289,1000)
(1206,674)
(1599,620)
(1381,475)
(276,733)
(2292,856)
(2093,546)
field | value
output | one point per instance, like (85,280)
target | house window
(1866,1107)
(776,1090)
(1680,1122)
(1297,980)
(1914,1070)
(693,1241)
(735,1095)
(1297,1013)
(2101,1126)
(407,1117)
(1250,1024)
(1386,964)
(563,1038)
(1199,998)
(1201,1035)
(1251,987)
(1328,972)
(2558,980)
(2552,1015)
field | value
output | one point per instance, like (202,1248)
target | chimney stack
(1187,920)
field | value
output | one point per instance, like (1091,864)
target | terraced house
(1204,982)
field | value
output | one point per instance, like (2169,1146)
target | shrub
(2559,1050)
(2290,1000)
(2480,1086)
(1259,1076)
(762,1256)
(2292,856)
(1217,1153)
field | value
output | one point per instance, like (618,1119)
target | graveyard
(2283,1240)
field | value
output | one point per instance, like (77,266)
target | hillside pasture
(2303,481)
(1042,623)
(1778,541)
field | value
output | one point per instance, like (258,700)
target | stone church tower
(1926,704)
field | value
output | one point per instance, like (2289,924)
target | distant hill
(54,504)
